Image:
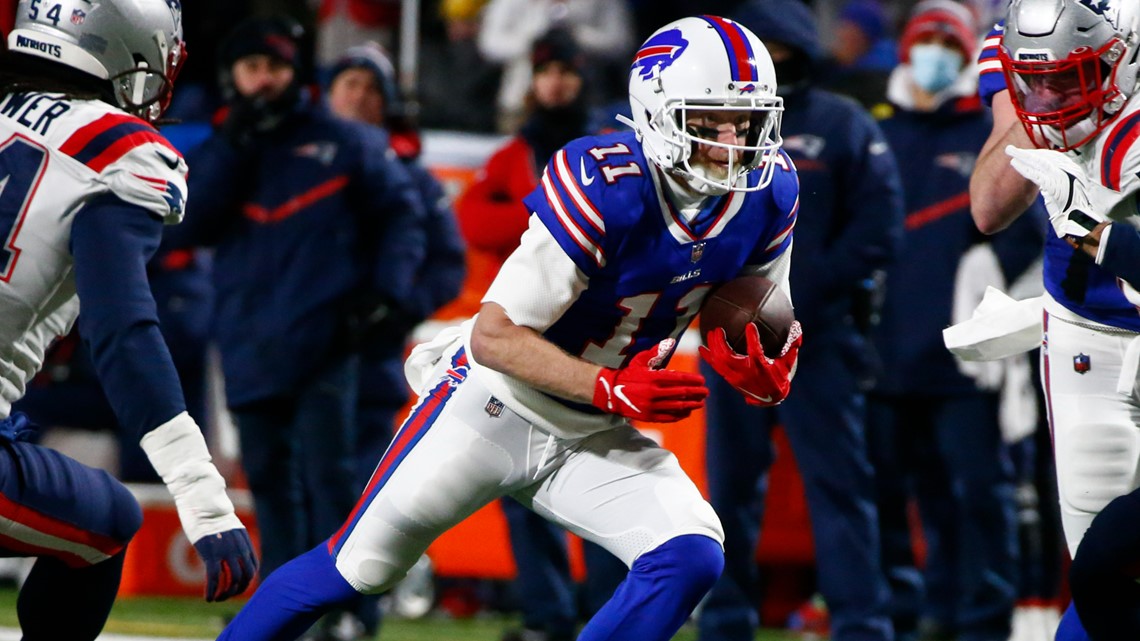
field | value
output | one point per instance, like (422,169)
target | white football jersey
(57,155)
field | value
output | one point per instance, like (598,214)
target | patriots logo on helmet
(659,52)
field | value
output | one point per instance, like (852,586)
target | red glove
(646,393)
(763,381)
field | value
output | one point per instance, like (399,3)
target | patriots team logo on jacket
(659,53)
(1081,363)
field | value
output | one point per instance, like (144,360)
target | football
(748,299)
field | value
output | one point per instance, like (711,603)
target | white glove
(1076,204)
(178,453)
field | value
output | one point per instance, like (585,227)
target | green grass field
(191,618)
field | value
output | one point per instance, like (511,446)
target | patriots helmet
(136,45)
(1070,65)
(706,63)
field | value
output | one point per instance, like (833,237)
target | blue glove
(230,563)
(17,427)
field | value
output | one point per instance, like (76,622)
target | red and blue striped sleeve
(785,190)
(104,141)
(1120,156)
(991,78)
(568,200)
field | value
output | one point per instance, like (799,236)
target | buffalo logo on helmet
(1081,363)
(659,52)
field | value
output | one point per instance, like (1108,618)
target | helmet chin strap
(1077,131)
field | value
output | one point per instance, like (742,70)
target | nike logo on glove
(586,180)
(625,399)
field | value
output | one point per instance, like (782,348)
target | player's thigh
(448,459)
(1095,434)
(52,505)
(624,492)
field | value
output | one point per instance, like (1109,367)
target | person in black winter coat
(318,234)
(849,227)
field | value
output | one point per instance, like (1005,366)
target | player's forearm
(520,352)
(998,194)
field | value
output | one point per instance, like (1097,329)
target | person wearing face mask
(850,225)
(934,423)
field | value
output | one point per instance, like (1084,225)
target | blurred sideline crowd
(285,107)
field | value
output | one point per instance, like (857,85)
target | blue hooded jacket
(850,220)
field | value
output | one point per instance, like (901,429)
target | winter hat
(278,37)
(372,58)
(940,16)
(557,46)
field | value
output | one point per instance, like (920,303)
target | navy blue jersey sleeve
(991,79)
(569,202)
(441,276)
(393,216)
(1121,255)
(870,197)
(111,242)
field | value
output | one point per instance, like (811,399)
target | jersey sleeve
(570,200)
(152,176)
(538,282)
(136,163)
(1119,162)
(785,194)
(991,79)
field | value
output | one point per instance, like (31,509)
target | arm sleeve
(1120,254)
(111,242)
(873,214)
(393,219)
(538,282)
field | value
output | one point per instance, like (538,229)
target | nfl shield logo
(698,251)
(78,16)
(494,407)
(1081,363)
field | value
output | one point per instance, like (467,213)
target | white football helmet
(706,63)
(1071,65)
(135,44)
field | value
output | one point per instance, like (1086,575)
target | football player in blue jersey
(87,185)
(533,398)
(1072,67)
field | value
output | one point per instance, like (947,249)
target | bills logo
(1081,363)
(659,53)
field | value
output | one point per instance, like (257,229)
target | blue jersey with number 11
(648,268)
